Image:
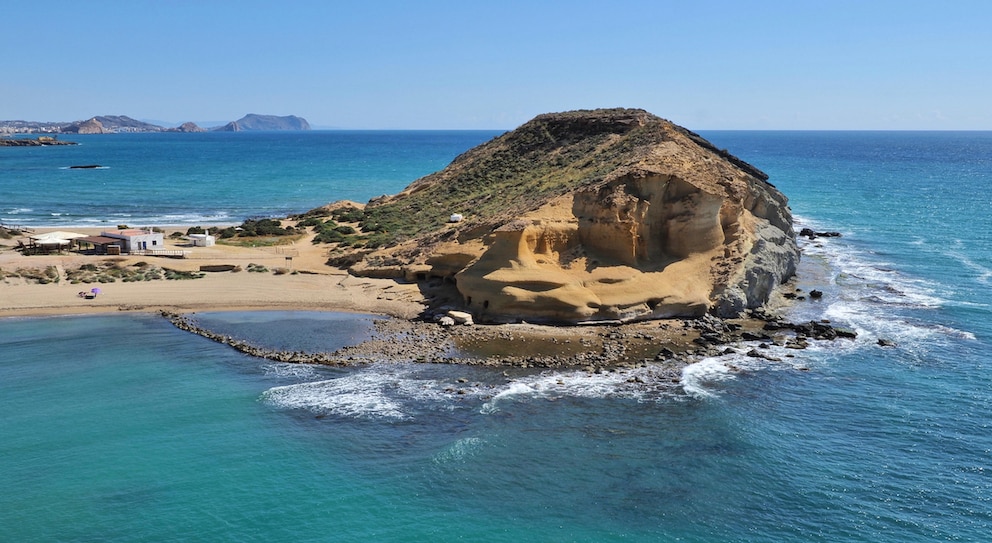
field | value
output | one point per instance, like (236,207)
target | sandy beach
(307,284)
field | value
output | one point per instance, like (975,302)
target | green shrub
(310,221)
(313,213)
(348,214)
(329,236)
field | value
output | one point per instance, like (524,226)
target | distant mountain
(110,123)
(265,122)
(123,123)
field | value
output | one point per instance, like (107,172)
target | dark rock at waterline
(811,234)
(816,294)
(813,329)
(41,141)
(882,342)
(845,332)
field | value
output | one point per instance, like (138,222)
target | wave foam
(460,450)
(387,390)
(349,396)
(290,371)
(698,378)
(641,384)
(875,298)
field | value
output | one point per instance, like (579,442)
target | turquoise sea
(123,428)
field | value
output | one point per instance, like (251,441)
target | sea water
(213,177)
(124,428)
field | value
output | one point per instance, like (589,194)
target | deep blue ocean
(123,428)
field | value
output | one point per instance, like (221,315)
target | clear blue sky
(705,64)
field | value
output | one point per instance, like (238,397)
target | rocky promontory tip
(607,215)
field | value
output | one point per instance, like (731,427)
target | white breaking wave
(346,396)
(873,296)
(641,384)
(286,370)
(394,391)
(698,379)
(385,390)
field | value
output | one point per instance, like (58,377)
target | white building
(138,240)
(202,240)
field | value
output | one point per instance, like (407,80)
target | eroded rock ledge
(605,215)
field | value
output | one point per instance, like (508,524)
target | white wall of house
(138,240)
(202,240)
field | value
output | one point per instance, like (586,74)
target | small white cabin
(456,217)
(202,240)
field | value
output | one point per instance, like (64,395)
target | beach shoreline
(306,283)
(295,276)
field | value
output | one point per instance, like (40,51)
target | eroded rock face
(674,227)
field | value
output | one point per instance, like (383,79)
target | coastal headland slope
(593,215)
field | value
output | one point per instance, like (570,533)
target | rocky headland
(611,215)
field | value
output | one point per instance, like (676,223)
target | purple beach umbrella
(95,290)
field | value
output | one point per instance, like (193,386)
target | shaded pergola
(53,241)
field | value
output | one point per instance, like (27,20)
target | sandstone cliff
(591,215)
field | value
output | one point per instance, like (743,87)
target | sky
(371,64)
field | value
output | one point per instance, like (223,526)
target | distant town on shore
(115,124)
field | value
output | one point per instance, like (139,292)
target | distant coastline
(116,124)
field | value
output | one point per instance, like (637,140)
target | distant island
(116,124)
(265,122)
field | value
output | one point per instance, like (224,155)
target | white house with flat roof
(138,240)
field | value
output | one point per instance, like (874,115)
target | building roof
(99,240)
(130,233)
(58,234)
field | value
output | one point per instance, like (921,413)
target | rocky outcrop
(606,215)
(91,126)
(188,128)
(41,141)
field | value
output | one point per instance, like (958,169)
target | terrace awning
(57,235)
